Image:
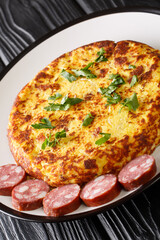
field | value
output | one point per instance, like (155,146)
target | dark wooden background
(22,22)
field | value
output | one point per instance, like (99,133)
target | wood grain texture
(21,23)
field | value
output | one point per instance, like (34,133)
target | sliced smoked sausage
(29,194)
(10,176)
(62,200)
(137,172)
(100,190)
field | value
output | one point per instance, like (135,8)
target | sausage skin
(137,172)
(100,190)
(62,200)
(29,194)
(10,176)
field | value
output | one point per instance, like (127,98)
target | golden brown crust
(78,159)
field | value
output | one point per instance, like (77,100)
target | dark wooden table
(22,22)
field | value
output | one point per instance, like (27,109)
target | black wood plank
(21,23)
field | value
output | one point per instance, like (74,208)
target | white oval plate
(111,25)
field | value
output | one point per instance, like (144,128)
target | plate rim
(46,219)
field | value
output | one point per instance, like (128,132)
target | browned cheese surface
(77,159)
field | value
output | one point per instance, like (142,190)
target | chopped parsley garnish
(47,142)
(53,143)
(45,123)
(84,73)
(113,76)
(88,120)
(88,66)
(112,97)
(107,91)
(132,102)
(131,66)
(70,77)
(65,104)
(134,80)
(101,57)
(102,91)
(117,79)
(105,138)
(59,135)
(55,96)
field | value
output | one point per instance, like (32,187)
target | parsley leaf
(117,80)
(84,73)
(132,102)
(70,77)
(45,123)
(113,76)
(47,142)
(54,107)
(101,57)
(44,144)
(102,91)
(53,143)
(88,66)
(106,136)
(131,66)
(107,91)
(59,135)
(65,104)
(134,80)
(88,120)
(70,101)
(113,99)
(101,52)
(55,96)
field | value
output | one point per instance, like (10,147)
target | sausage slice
(62,200)
(100,190)
(10,176)
(29,195)
(137,172)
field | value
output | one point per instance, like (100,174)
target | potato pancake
(88,113)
